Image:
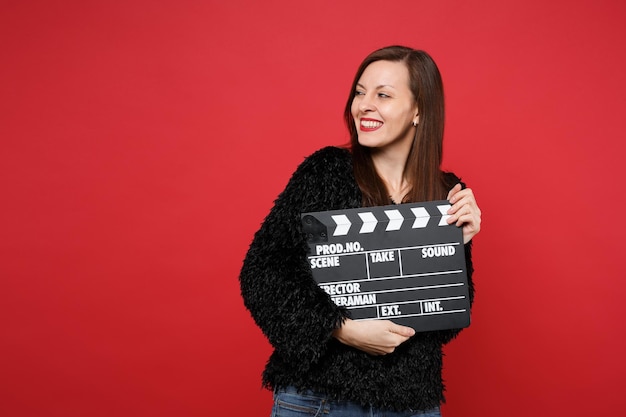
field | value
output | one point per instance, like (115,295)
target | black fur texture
(298,317)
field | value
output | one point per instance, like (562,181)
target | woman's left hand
(464,211)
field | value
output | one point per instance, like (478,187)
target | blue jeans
(289,403)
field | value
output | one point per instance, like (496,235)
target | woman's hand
(376,337)
(464,211)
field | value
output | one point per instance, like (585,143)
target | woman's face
(383,107)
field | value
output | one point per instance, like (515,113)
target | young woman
(323,362)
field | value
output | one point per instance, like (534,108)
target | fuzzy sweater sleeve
(276,282)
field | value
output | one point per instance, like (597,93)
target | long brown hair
(424,160)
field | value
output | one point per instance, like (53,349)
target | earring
(414,124)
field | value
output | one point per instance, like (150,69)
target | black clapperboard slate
(399,262)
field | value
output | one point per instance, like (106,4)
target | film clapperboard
(399,262)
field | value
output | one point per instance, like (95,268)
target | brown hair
(424,160)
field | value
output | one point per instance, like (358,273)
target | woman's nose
(366,104)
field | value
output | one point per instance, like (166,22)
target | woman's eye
(359,93)
(383,95)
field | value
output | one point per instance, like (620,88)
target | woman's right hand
(376,337)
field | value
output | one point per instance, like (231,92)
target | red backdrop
(143,142)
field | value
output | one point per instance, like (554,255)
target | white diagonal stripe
(369,222)
(444,216)
(343,224)
(421,217)
(395,220)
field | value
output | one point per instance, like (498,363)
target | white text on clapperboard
(347,294)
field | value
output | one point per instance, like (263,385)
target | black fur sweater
(298,317)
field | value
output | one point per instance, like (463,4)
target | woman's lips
(369,125)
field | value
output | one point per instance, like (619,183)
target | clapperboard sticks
(394,216)
(402,262)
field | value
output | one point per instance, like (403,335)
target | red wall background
(143,142)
